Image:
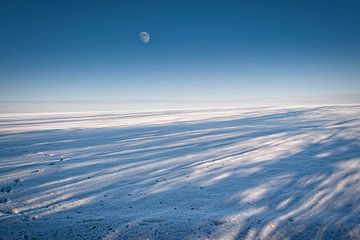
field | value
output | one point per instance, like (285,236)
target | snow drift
(197,174)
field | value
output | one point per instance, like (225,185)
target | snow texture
(260,173)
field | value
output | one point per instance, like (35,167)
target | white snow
(261,173)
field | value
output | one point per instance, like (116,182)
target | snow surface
(256,173)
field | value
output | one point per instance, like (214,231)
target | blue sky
(88,51)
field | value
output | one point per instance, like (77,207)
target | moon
(144,37)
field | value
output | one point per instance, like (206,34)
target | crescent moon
(144,37)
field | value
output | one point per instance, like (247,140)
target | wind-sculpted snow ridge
(196,174)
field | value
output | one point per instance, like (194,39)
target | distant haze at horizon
(183,104)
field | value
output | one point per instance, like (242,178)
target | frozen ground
(220,174)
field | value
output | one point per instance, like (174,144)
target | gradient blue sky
(218,50)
